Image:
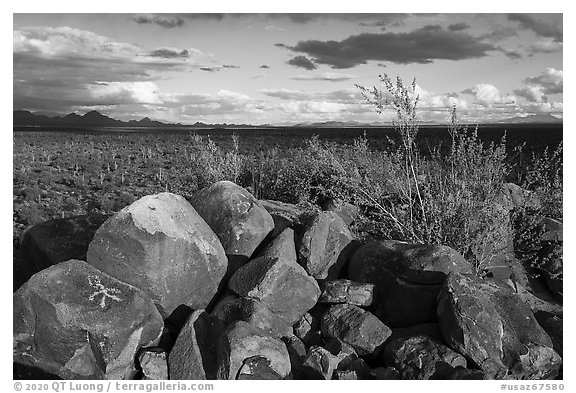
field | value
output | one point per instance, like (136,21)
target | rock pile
(225,286)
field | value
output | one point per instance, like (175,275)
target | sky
(286,69)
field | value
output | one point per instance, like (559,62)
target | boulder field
(226,286)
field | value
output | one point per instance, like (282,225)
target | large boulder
(50,242)
(347,211)
(194,353)
(486,321)
(356,327)
(162,246)
(237,218)
(324,245)
(419,357)
(408,278)
(277,280)
(76,322)
(242,341)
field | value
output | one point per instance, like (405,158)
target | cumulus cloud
(326,76)
(171,53)
(458,26)
(544,25)
(488,95)
(125,92)
(545,46)
(423,45)
(537,88)
(302,62)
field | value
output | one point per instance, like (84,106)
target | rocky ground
(225,286)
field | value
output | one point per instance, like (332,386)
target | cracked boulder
(407,278)
(76,322)
(486,321)
(356,327)
(419,357)
(162,246)
(244,347)
(324,245)
(237,218)
(153,364)
(194,353)
(277,280)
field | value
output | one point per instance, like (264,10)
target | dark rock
(430,329)
(552,268)
(275,279)
(445,371)
(408,278)
(286,215)
(242,341)
(385,373)
(553,326)
(162,246)
(297,352)
(254,312)
(486,321)
(237,218)
(50,242)
(357,327)
(324,245)
(347,211)
(307,329)
(257,368)
(194,353)
(319,364)
(417,357)
(552,230)
(76,322)
(344,353)
(356,370)
(153,363)
(512,196)
(346,291)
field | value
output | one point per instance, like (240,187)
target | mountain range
(96,119)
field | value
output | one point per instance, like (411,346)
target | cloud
(537,88)
(327,76)
(544,25)
(458,26)
(545,46)
(125,92)
(167,21)
(488,95)
(216,68)
(264,66)
(302,62)
(422,46)
(551,81)
(171,53)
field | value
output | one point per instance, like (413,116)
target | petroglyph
(95,283)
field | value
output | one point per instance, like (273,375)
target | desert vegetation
(440,194)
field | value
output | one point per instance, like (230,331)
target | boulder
(162,246)
(512,196)
(418,357)
(50,242)
(194,353)
(76,322)
(356,327)
(307,329)
(385,373)
(254,312)
(356,370)
(257,368)
(486,321)
(275,279)
(322,362)
(553,326)
(407,278)
(552,268)
(552,230)
(347,211)
(154,364)
(445,371)
(346,291)
(430,329)
(324,245)
(242,341)
(237,218)
(297,351)
(286,215)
